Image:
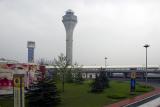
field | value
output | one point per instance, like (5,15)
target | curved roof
(117,66)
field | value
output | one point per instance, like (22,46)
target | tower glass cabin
(30,46)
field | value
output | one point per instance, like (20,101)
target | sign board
(133,75)
(133,85)
(18,89)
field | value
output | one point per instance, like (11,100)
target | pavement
(6,91)
(152,103)
(133,100)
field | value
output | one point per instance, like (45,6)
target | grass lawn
(7,103)
(79,96)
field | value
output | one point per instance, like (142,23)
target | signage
(133,82)
(133,85)
(18,83)
(133,75)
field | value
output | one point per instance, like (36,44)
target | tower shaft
(69,20)
(69,46)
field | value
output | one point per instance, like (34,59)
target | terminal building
(90,72)
(34,72)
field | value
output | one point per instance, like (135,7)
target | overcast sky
(117,29)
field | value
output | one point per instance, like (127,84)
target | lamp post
(105,58)
(146,46)
(105,61)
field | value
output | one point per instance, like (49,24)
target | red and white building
(9,67)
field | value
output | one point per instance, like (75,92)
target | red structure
(5,83)
(42,70)
(7,71)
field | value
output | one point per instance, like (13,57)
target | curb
(142,101)
(137,100)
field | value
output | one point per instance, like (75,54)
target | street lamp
(146,46)
(105,64)
(105,61)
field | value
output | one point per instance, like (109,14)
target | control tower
(30,46)
(69,20)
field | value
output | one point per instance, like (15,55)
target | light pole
(105,58)
(146,46)
(105,61)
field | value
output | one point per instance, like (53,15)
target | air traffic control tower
(30,46)
(69,20)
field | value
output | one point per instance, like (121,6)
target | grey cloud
(109,28)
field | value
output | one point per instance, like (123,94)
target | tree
(78,78)
(77,73)
(104,79)
(69,76)
(100,83)
(44,93)
(97,85)
(62,67)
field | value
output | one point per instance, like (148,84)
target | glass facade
(30,54)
